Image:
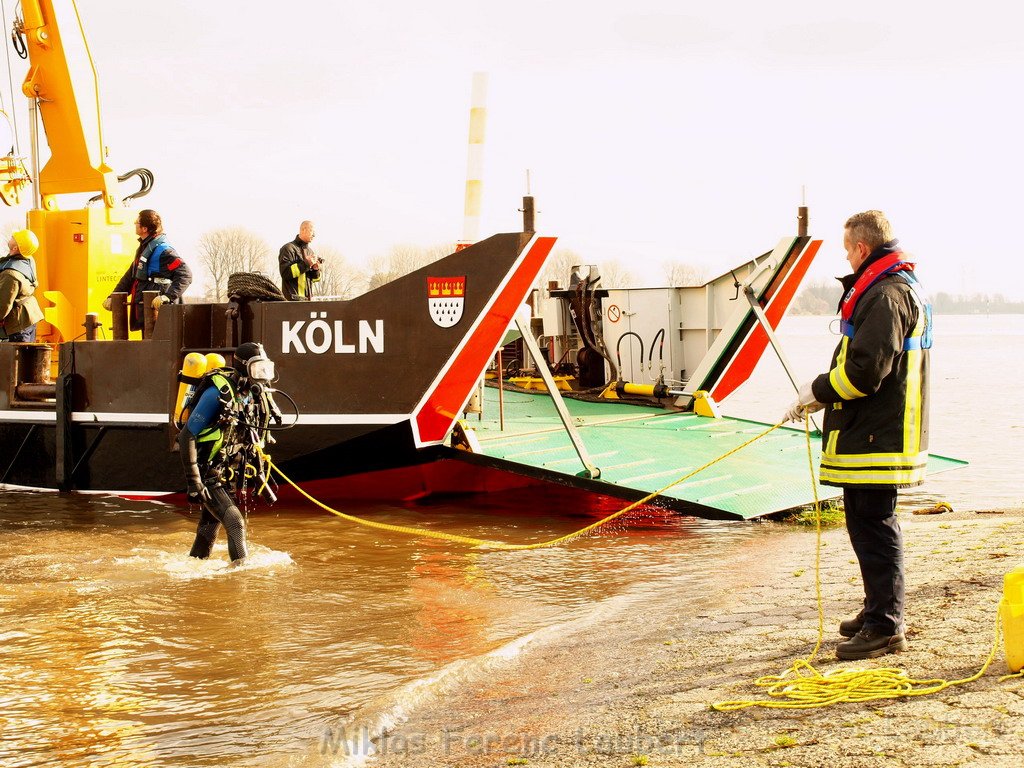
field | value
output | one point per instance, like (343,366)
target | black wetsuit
(205,446)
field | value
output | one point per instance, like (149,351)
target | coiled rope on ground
(802,686)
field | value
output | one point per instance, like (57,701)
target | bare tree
(233,249)
(8,229)
(679,274)
(403,259)
(338,278)
(614,275)
(559,267)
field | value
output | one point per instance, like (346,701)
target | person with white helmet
(19,309)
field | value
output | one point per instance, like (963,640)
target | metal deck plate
(640,449)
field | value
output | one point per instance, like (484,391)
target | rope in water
(801,686)
(500,545)
(804,687)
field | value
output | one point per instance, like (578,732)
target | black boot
(851,627)
(869,644)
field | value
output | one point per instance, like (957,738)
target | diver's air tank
(193,366)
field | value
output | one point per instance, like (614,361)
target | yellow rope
(804,687)
(799,687)
(499,545)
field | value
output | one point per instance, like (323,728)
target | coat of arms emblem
(445,298)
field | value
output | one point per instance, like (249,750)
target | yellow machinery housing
(82,252)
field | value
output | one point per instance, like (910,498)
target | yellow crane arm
(62,77)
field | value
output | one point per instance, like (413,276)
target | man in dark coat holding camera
(299,266)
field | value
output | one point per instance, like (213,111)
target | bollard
(34,363)
(119,316)
(92,322)
(148,313)
(33,382)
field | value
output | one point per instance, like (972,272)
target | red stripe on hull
(436,416)
(753,347)
(446,477)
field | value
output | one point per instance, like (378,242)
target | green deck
(640,449)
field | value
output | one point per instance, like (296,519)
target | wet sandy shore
(635,688)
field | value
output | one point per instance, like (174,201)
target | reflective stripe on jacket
(876,418)
(297,276)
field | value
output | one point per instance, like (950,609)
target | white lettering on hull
(318,336)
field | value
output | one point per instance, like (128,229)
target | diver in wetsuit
(228,419)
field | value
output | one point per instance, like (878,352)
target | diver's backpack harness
(233,445)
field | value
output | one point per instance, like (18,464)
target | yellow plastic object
(531,382)
(1011,613)
(705,405)
(215,360)
(193,366)
(646,390)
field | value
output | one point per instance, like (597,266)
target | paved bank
(635,688)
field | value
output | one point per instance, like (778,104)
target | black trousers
(221,509)
(878,542)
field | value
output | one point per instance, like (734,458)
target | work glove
(803,405)
(159,301)
(107,303)
(197,492)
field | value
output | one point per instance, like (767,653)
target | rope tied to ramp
(804,687)
(500,545)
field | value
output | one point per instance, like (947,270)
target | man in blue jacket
(157,267)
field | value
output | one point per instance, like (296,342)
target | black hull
(137,460)
(377,380)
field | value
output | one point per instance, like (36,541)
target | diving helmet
(251,361)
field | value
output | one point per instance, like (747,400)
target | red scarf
(879,269)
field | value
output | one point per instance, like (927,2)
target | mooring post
(119,316)
(92,322)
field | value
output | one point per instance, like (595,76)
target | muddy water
(118,649)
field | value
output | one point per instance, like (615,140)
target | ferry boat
(379,382)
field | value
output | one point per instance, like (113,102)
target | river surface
(977,401)
(116,649)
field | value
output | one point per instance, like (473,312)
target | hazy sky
(652,130)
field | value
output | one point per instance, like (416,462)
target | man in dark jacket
(157,267)
(875,437)
(299,266)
